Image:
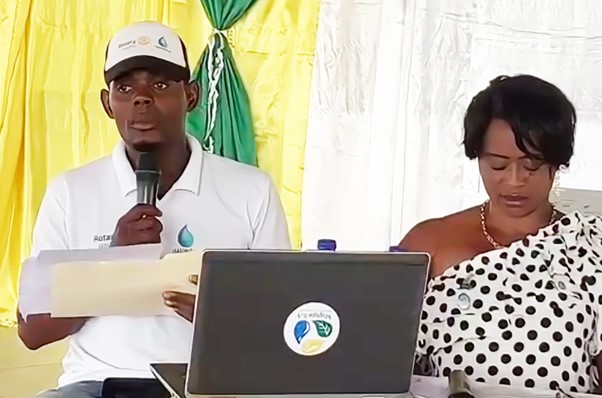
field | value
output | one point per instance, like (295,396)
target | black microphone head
(147,178)
(147,162)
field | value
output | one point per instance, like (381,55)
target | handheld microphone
(459,386)
(147,178)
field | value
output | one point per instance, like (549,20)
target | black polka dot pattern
(531,316)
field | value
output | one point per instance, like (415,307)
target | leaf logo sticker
(311,329)
(301,330)
(312,346)
(323,328)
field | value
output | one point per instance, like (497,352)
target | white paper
(112,253)
(36,272)
(34,288)
(130,288)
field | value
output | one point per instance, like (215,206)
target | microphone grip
(147,194)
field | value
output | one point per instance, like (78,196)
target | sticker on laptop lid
(312,329)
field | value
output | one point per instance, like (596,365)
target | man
(205,201)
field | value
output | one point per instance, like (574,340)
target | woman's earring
(555,192)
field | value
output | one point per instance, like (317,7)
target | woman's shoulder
(429,232)
(449,239)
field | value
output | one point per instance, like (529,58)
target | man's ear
(192,95)
(104,98)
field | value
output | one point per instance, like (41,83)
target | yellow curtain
(51,120)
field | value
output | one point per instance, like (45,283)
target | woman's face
(517,183)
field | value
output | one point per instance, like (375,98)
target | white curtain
(392,80)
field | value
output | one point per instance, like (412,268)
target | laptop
(586,201)
(300,324)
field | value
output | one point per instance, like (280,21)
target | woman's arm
(423,238)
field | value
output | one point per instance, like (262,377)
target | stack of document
(437,387)
(125,280)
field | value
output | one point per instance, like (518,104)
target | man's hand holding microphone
(141,225)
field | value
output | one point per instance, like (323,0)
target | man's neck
(172,160)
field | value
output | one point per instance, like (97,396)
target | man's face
(149,109)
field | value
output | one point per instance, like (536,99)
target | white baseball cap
(147,45)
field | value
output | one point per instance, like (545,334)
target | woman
(516,289)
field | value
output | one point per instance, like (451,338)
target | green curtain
(222,121)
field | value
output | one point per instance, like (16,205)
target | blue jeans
(84,389)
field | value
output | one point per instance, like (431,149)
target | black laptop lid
(371,300)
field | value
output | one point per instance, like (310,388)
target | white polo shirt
(216,203)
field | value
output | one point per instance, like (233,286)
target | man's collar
(190,180)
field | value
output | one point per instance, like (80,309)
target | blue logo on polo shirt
(185,237)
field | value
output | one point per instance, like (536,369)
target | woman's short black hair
(540,115)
